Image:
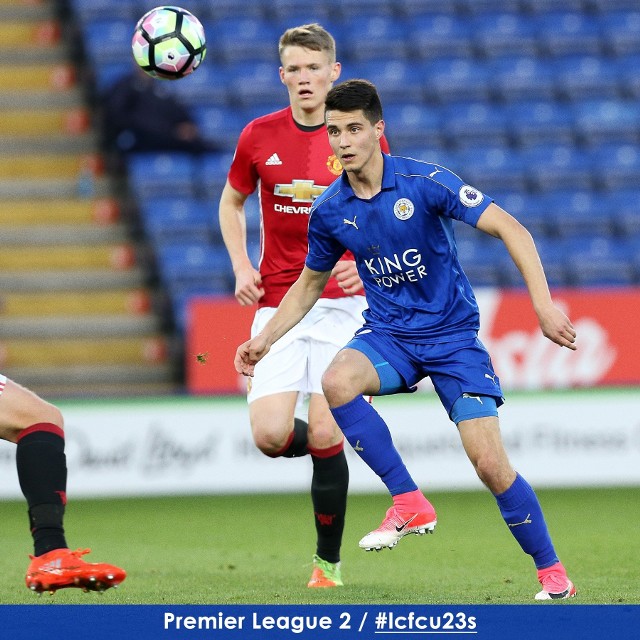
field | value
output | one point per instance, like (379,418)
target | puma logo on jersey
(351,222)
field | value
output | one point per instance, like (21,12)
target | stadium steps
(77,316)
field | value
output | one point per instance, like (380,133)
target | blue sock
(521,511)
(369,436)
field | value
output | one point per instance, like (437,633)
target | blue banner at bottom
(318,622)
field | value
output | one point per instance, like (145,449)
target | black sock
(329,496)
(42,472)
(298,446)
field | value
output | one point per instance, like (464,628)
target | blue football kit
(422,320)
(423,317)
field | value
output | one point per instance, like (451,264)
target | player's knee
(493,472)
(324,435)
(337,386)
(269,440)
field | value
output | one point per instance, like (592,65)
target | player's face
(308,76)
(353,138)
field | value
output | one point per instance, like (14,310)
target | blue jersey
(404,248)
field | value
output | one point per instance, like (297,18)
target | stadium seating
(535,102)
(586,77)
(438,35)
(504,34)
(161,174)
(611,121)
(568,32)
(515,78)
(621,30)
(454,79)
(554,166)
(187,219)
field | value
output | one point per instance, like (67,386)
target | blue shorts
(455,368)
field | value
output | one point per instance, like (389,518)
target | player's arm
(554,323)
(295,305)
(233,225)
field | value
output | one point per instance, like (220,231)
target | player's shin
(521,511)
(329,487)
(368,434)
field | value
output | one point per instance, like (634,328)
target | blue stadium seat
(89,10)
(416,9)
(532,122)
(106,75)
(211,174)
(546,6)
(504,34)
(223,9)
(569,32)
(255,82)
(108,41)
(374,37)
(627,71)
(578,212)
(454,79)
(429,153)
(398,81)
(605,7)
(362,8)
(220,125)
(480,257)
(439,35)
(529,208)
(621,31)
(161,174)
(556,166)
(412,124)
(517,78)
(493,168)
(598,261)
(468,124)
(583,77)
(193,264)
(616,165)
(188,219)
(289,13)
(622,205)
(553,254)
(244,38)
(478,7)
(598,121)
(209,86)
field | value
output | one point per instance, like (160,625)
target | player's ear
(335,72)
(281,72)
(379,127)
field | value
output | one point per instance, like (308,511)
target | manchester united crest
(333,164)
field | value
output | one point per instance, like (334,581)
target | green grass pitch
(256,549)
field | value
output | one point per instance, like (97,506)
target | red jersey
(293,168)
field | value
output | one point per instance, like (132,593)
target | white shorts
(297,361)
(3,382)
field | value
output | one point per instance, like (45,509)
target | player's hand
(249,353)
(346,274)
(248,286)
(557,327)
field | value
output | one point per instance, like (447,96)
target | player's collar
(388,177)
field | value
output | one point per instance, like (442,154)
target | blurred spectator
(140,113)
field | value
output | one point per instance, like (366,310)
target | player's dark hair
(352,95)
(308,36)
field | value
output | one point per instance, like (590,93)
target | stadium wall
(203,445)
(605,320)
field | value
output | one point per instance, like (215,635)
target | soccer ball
(168,43)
